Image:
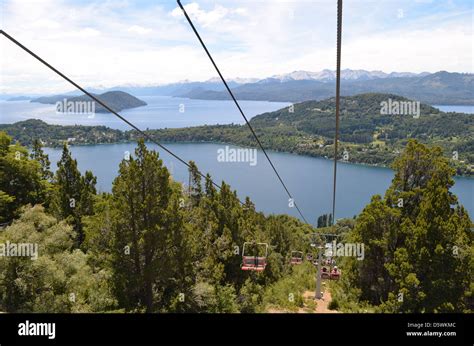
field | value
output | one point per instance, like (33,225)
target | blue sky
(109,43)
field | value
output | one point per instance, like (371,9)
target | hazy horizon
(239,79)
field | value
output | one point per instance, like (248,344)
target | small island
(117,100)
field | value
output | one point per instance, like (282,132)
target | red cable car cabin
(251,258)
(325,272)
(335,273)
(296,257)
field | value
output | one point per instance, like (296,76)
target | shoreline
(240,146)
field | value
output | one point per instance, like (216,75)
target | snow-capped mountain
(327,75)
(184,87)
(237,80)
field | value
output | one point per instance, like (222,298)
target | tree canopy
(418,240)
(156,245)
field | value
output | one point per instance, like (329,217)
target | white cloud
(137,29)
(111,43)
(85,33)
(46,24)
(207,18)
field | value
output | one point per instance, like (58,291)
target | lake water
(308,179)
(161,112)
(455,108)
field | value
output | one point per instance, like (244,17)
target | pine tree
(73,197)
(38,154)
(150,256)
(209,187)
(195,184)
(324,220)
(88,191)
(68,184)
(418,243)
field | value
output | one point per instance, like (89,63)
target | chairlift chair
(335,273)
(325,272)
(254,262)
(296,257)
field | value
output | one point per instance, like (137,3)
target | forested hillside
(27,131)
(154,245)
(150,245)
(366,135)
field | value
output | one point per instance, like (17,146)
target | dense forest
(155,245)
(307,128)
(150,245)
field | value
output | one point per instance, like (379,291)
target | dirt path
(322,304)
(309,304)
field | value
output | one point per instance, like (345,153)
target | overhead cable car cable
(103,104)
(239,108)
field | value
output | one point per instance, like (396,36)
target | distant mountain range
(346,74)
(432,88)
(117,100)
(437,88)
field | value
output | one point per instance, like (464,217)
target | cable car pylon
(338,92)
(318,294)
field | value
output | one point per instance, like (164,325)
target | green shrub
(333,305)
